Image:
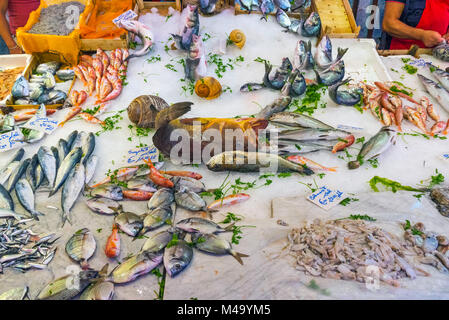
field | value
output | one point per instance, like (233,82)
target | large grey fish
(48,163)
(303,58)
(108,191)
(78,140)
(88,146)
(309,134)
(66,167)
(56,154)
(15,294)
(162,198)
(25,195)
(348,96)
(6,172)
(71,138)
(91,165)
(280,77)
(68,287)
(21,88)
(283,4)
(177,257)
(441,75)
(441,51)
(266,6)
(6,213)
(130,223)
(200,225)
(312,25)
(100,290)
(157,242)
(212,243)
(30,173)
(40,175)
(207,6)
(280,104)
(291,119)
(81,247)
(436,91)
(63,149)
(104,206)
(331,75)
(16,156)
(282,18)
(190,183)
(6,201)
(298,85)
(323,55)
(376,145)
(135,266)
(156,218)
(65,74)
(185,198)
(253,161)
(302,148)
(71,190)
(17,174)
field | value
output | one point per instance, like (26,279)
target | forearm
(5,33)
(401,30)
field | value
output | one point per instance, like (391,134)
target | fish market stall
(163,230)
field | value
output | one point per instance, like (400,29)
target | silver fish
(6,172)
(376,145)
(312,25)
(56,154)
(65,74)
(189,200)
(282,18)
(309,134)
(279,105)
(346,97)
(141,185)
(15,294)
(71,190)
(66,167)
(157,242)
(303,58)
(156,218)
(88,146)
(71,139)
(251,86)
(107,191)
(36,90)
(81,247)
(17,155)
(135,266)
(91,165)
(25,195)
(130,223)
(331,75)
(177,257)
(283,4)
(291,119)
(104,206)
(51,66)
(200,225)
(101,290)
(212,243)
(30,173)
(48,163)
(17,174)
(162,198)
(63,149)
(253,161)
(190,183)
(441,75)
(436,91)
(21,88)
(6,201)
(302,148)
(141,31)
(323,55)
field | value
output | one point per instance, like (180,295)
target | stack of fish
(190,25)
(269,6)
(23,249)
(309,27)
(42,86)
(390,107)
(102,74)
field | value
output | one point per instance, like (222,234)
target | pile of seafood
(391,107)
(69,165)
(7,79)
(54,18)
(310,27)
(344,249)
(20,248)
(269,6)
(46,85)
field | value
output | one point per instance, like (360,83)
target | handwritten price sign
(325,197)
(44,124)
(128,15)
(136,156)
(9,141)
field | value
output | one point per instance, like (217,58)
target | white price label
(326,198)
(44,124)
(136,156)
(10,139)
(128,15)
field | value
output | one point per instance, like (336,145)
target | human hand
(446,37)
(431,38)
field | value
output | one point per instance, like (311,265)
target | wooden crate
(109,44)
(337,17)
(162,6)
(37,59)
(239,10)
(414,51)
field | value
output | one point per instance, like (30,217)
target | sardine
(81,247)
(253,161)
(25,195)
(376,145)
(71,190)
(177,257)
(212,243)
(130,223)
(66,167)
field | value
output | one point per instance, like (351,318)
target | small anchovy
(312,26)
(346,97)
(376,145)
(332,75)
(177,257)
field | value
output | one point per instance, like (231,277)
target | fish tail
(230,227)
(238,256)
(333,169)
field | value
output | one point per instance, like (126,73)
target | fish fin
(104,271)
(230,227)
(238,256)
(333,169)
(341,52)
(173,112)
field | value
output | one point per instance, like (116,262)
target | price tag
(136,156)
(348,128)
(326,198)
(128,15)
(445,156)
(9,141)
(44,124)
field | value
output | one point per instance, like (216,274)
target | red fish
(79,74)
(121,175)
(74,97)
(438,127)
(385,87)
(348,141)
(429,108)
(157,177)
(137,195)
(104,59)
(189,174)
(72,112)
(117,89)
(82,96)
(90,118)
(385,102)
(228,201)
(91,81)
(105,88)
(112,249)
(29,114)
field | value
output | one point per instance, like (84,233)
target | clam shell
(143,110)
(208,88)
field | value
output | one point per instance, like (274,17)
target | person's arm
(5,33)
(396,28)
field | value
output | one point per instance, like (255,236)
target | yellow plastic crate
(67,47)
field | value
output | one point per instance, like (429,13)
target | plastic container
(14,61)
